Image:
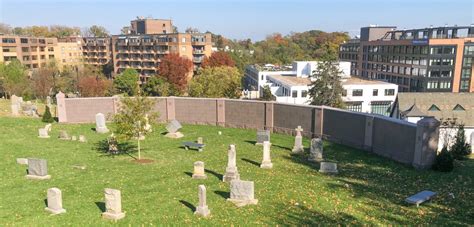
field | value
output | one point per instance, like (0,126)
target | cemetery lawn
(368,189)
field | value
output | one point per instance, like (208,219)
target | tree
(191,30)
(267,94)
(47,116)
(132,117)
(44,80)
(444,161)
(460,148)
(158,86)
(126,82)
(61,31)
(15,80)
(216,82)
(326,89)
(5,29)
(94,86)
(176,70)
(37,31)
(217,59)
(96,31)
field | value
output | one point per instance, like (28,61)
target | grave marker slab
(63,135)
(262,135)
(113,205)
(37,169)
(328,167)
(242,193)
(231,172)
(198,172)
(55,201)
(298,147)
(316,150)
(173,130)
(100,126)
(22,161)
(43,133)
(266,162)
(420,197)
(202,208)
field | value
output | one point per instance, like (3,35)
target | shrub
(460,148)
(444,161)
(47,116)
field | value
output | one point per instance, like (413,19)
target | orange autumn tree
(93,86)
(218,59)
(175,69)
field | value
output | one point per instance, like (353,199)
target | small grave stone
(81,167)
(266,162)
(316,150)
(63,135)
(262,135)
(113,205)
(200,140)
(55,201)
(15,109)
(198,172)
(328,167)
(37,169)
(100,126)
(173,130)
(82,139)
(242,193)
(74,138)
(48,101)
(420,197)
(43,133)
(231,172)
(22,161)
(202,208)
(48,127)
(298,147)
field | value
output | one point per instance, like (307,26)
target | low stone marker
(80,167)
(266,162)
(55,201)
(15,109)
(200,140)
(420,197)
(316,150)
(113,205)
(100,126)
(328,167)
(43,132)
(242,193)
(198,172)
(193,145)
(63,135)
(74,138)
(37,169)
(262,135)
(22,161)
(82,139)
(231,172)
(173,128)
(202,208)
(298,147)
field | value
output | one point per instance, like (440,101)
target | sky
(242,19)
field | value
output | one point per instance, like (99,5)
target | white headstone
(55,201)
(198,172)
(15,109)
(242,193)
(43,133)
(316,150)
(82,139)
(22,161)
(63,135)
(48,127)
(100,126)
(113,205)
(328,167)
(298,147)
(202,208)
(48,101)
(266,162)
(200,140)
(173,130)
(231,172)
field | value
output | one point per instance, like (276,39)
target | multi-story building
(419,60)
(144,52)
(33,52)
(97,50)
(69,52)
(150,26)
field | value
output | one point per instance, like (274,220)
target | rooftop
(292,80)
(357,81)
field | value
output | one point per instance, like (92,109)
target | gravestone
(298,147)
(22,161)
(63,135)
(242,193)
(198,172)
(37,169)
(316,150)
(73,138)
(266,162)
(147,126)
(82,139)
(14,99)
(231,172)
(113,205)
(173,130)
(43,133)
(262,135)
(100,126)
(202,208)
(420,197)
(328,167)
(200,140)
(15,109)
(55,201)
(48,101)
(48,127)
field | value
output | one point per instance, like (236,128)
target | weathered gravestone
(43,132)
(231,172)
(242,193)
(316,150)
(198,172)
(100,126)
(37,169)
(200,140)
(55,201)
(63,135)
(262,135)
(420,197)
(173,130)
(298,147)
(22,161)
(328,167)
(202,208)
(113,205)
(48,101)
(73,138)
(15,109)
(82,139)
(266,162)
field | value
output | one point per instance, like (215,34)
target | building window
(294,94)
(375,92)
(389,92)
(467,62)
(183,40)
(304,94)
(357,92)
(466,73)
(354,106)
(458,108)
(344,93)
(433,108)
(380,107)
(469,50)
(464,85)
(8,40)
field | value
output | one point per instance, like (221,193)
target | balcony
(198,51)
(197,60)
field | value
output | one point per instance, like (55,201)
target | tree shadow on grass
(124,148)
(189,174)
(251,162)
(101,206)
(189,205)
(281,147)
(253,142)
(223,194)
(217,175)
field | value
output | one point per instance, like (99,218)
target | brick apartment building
(437,59)
(33,52)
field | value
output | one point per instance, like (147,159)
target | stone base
(112,216)
(266,165)
(44,137)
(102,130)
(175,135)
(229,176)
(241,203)
(329,172)
(258,144)
(34,177)
(22,161)
(54,212)
(198,176)
(202,211)
(297,150)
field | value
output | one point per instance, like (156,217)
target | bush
(460,148)
(47,116)
(444,161)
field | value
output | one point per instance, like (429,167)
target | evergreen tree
(444,161)
(326,89)
(126,82)
(460,148)
(267,94)
(47,117)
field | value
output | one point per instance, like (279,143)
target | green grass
(368,190)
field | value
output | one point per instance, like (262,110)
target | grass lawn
(368,190)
